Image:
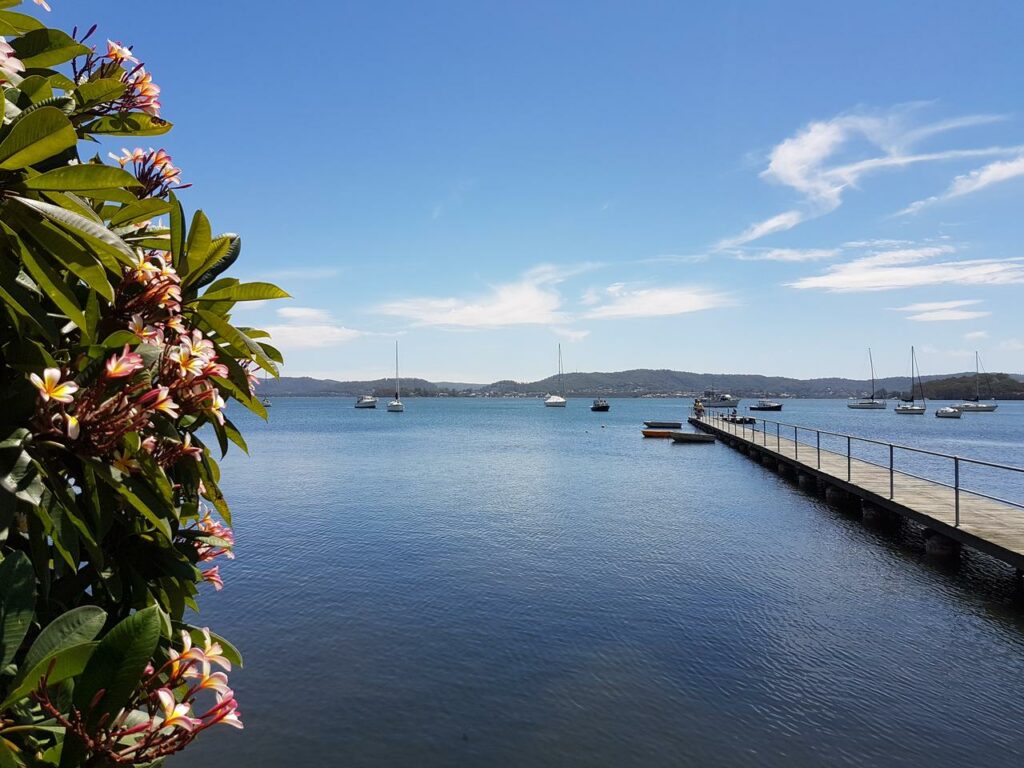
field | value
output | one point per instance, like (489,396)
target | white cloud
(807,161)
(932,306)
(306,328)
(626,302)
(976,180)
(790,254)
(532,300)
(863,275)
(976,335)
(304,314)
(903,256)
(756,231)
(938,315)
(877,243)
(569,334)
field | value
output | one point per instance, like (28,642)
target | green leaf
(79,625)
(242,343)
(17,603)
(117,665)
(129,124)
(99,91)
(72,255)
(177,231)
(198,246)
(54,287)
(81,226)
(67,663)
(245,292)
(230,652)
(82,178)
(46,48)
(36,88)
(223,253)
(37,136)
(12,23)
(140,211)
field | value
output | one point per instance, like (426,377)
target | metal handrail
(957,460)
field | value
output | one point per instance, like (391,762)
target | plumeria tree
(118,358)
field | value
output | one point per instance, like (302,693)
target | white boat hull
(366,403)
(977,407)
(911,410)
(947,413)
(396,406)
(867,405)
(554,401)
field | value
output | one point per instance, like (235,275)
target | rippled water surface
(495,583)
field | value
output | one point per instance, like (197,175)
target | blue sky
(721,187)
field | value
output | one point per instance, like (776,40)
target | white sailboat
(974,404)
(396,406)
(868,403)
(557,401)
(910,407)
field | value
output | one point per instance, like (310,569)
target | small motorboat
(265,402)
(766,405)
(692,437)
(663,424)
(740,419)
(600,405)
(948,413)
(662,433)
(366,401)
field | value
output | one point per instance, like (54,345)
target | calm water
(494,583)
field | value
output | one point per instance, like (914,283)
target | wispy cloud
(569,334)
(307,328)
(809,161)
(789,254)
(532,300)
(938,311)
(976,335)
(975,181)
(622,301)
(897,269)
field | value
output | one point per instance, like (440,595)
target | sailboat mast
(561,379)
(871,360)
(398,386)
(977,377)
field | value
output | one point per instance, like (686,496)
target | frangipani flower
(125,364)
(159,399)
(229,710)
(120,53)
(9,63)
(176,715)
(50,387)
(74,428)
(45,5)
(212,575)
(216,681)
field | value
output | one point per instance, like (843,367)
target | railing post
(891,473)
(796,444)
(849,462)
(956,487)
(778,440)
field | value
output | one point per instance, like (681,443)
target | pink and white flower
(50,387)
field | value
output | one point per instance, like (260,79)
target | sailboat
(909,406)
(396,406)
(265,402)
(869,403)
(974,404)
(557,401)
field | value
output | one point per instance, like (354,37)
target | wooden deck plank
(994,526)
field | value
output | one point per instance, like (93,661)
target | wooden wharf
(951,514)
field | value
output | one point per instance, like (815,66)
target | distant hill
(649,382)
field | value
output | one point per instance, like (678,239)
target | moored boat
(366,401)
(909,406)
(868,403)
(600,405)
(396,405)
(712,399)
(766,405)
(662,433)
(557,401)
(692,437)
(736,419)
(948,412)
(663,424)
(974,404)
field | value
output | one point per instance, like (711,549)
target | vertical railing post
(892,473)
(778,440)
(818,431)
(956,488)
(796,444)
(849,461)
